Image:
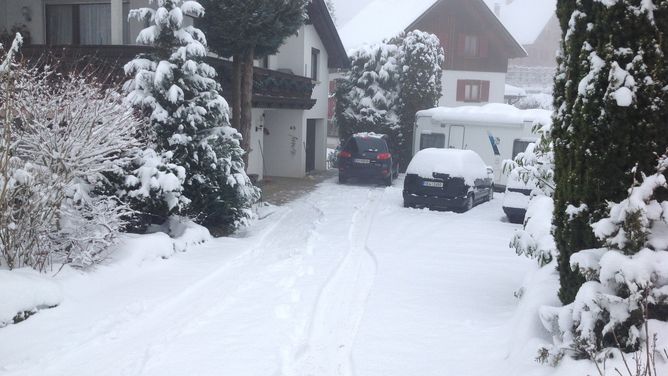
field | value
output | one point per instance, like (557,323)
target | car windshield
(364,144)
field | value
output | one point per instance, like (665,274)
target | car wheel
(342,179)
(388,180)
(407,204)
(469,203)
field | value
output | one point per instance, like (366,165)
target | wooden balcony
(271,89)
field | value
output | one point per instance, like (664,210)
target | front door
(456,139)
(310,145)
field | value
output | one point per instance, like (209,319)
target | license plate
(362,161)
(435,184)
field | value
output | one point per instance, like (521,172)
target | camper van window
(519,146)
(432,140)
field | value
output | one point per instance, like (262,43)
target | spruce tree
(367,100)
(178,92)
(422,59)
(611,114)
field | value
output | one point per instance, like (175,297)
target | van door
(456,138)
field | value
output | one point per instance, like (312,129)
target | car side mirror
(490,170)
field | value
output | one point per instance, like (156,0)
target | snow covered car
(516,199)
(368,156)
(447,179)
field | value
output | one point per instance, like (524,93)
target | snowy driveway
(342,282)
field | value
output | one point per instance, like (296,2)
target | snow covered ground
(342,282)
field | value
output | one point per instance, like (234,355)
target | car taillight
(383,156)
(345,154)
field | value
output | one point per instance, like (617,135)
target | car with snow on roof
(368,156)
(447,179)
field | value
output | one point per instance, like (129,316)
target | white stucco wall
(320,94)
(290,55)
(497,84)
(284,143)
(255,157)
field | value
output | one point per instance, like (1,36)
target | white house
(477,44)
(290,89)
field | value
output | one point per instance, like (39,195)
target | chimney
(497,9)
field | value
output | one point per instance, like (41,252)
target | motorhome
(495,131)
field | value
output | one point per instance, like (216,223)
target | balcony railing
(271,89)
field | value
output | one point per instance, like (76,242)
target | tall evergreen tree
(178,92)
(422,59)
(611,114)
(387,84)
(367,100)
(247,30)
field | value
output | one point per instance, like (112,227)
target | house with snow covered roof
(534,24)
(290,89)
(478,46)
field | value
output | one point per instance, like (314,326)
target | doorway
(310,145)
(456,139)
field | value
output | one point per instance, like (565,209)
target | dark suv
(368,156)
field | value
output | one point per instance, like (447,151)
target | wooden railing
(271,89)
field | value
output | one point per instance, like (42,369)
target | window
(471,45)
(85,24)
(315,57)
(472,91)
(520,146)
(432,140)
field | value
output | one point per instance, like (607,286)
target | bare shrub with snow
(624,303)
(62,136)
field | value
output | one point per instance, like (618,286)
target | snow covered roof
(526,19)
(383,19)
(514,91)
(496,113)
(321,19)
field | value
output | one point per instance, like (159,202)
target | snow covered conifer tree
(367,100)
(422,59)
(177,90)
(611,108)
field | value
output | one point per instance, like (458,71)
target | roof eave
(324,25)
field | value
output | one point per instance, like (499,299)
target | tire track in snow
(134,326)
(340,306)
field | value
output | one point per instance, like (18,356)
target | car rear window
(362,144)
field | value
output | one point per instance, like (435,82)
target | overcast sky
(346,9)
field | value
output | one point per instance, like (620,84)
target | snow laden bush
(178,93)
(61,135)
(535,168)
(387,84)
(624,303)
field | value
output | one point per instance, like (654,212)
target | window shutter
(461,90)
(461,45)
(484,91)
(483,47)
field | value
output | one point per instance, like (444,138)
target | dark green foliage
(387,84)
(597,140)
(233,26)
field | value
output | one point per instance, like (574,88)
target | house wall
(283,143)
(320,94)
(290,56)
(257,154)
(543,51)
(13,15)
(450,78)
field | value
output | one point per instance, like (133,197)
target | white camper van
(495,131)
